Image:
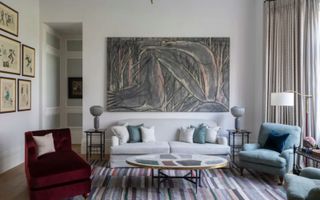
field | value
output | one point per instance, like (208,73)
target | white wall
(13,125)
(239,20)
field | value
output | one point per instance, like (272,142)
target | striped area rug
(220,184)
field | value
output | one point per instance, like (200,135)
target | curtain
(292,35)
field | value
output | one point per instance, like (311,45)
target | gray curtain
(292,35)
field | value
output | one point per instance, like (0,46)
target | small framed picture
(75,88)
(28,61)
(9,19)
(24,95)
(7,95)
(9,55)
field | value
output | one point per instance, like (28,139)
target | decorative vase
(96,122)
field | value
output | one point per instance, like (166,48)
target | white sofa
(166,133)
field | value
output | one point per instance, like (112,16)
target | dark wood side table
(232,134)
(306,155)
(90,147)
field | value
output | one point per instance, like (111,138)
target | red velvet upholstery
(55,175)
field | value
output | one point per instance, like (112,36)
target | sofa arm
(288,155)
(222,140)
(310,172)
(250,146)
(114,141)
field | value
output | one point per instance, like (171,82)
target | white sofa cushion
(195,148)
(147,134)
(122,133)
(186,135)
(211,134)
(141,148)
(45,144)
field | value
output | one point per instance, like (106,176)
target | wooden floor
(13,184)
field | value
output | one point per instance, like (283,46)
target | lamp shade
(282,99)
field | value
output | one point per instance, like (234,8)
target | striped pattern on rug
(220,184)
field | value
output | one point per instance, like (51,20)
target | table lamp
(237,112)
(96,111)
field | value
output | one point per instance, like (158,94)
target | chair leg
(281,180)
(241,171)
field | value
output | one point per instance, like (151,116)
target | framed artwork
(173,74)
(24,95)
(9,55)
(7,95)
(75,88)
(28,61)
(9,19)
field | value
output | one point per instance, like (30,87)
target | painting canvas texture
(168,74)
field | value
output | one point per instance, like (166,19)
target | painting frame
(24,95)
(6,83)
(28,58)
(75,87)
(10,60)
(15,16)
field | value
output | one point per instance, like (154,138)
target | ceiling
(67,28)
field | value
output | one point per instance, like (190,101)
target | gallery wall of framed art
(17,60)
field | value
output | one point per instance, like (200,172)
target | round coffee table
(192,162)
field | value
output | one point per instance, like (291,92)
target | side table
(96,146)
(232,134)
(306,155)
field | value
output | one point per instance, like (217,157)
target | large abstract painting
(168,74)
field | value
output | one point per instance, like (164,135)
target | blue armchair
(256,157)
(305,186)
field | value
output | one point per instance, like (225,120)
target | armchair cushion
(58,168)
(263,156)
(249,147)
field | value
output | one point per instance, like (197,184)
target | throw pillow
(276,141)
(212,133)
(199,135)
(147,134)
(134,133)
(44,143)
(122,133)
(186,135)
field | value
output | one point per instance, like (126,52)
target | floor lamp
(287,99)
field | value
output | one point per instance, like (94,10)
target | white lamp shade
(282,99)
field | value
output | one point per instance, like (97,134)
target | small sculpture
(96,111)
(237,112)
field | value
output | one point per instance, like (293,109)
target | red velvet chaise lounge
(58,174)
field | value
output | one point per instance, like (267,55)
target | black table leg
(152,176)
(200,171)
(159,174)
(87,150)
(101,145)
(233,146)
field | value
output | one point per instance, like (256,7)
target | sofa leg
(281,180)
(241,171)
